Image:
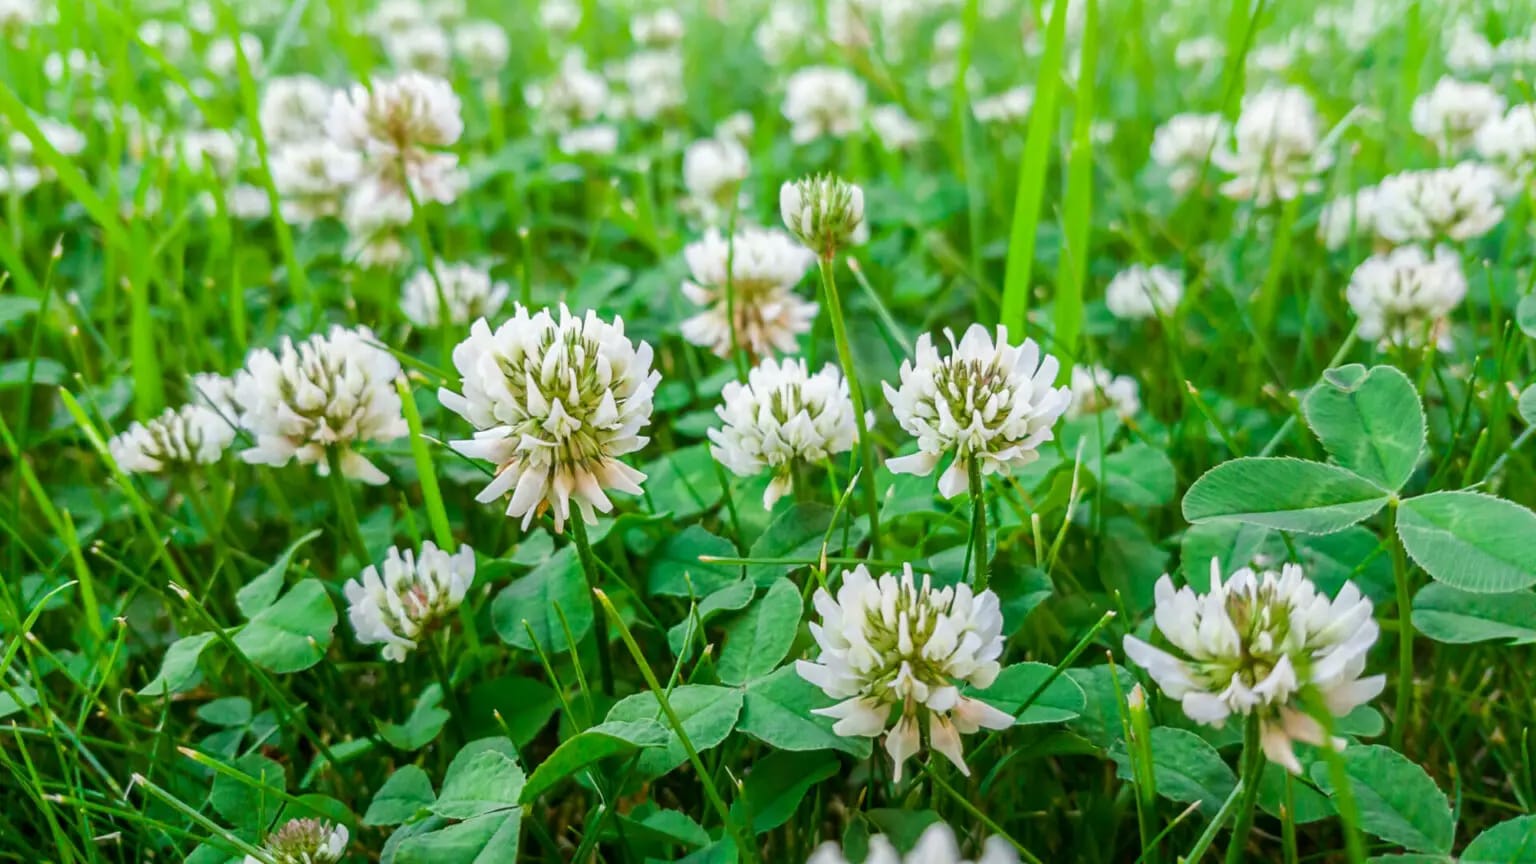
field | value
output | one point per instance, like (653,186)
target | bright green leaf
(1509,842)
(557,583)
(676,570)
(1395,798)
(1369,422)
(1470,541)
(259,593)
(777,784)
(178,671)
(1060,701)
(708,715)
(426,720)
(1445,614)
(777,711)
(613,738)
(293,633)
(481,779)
(1139,476)
(1186,767)
(759,637)
(1284,494)
(491,838)
(406,793)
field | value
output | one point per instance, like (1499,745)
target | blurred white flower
(1404,296)
(786,29)
(1009,106)
(783,417)
(991,403)
(713,170)
(75,63)
(654,83)
(596,139)
(216,150)
(1203,52)
(1139,292)
(1184,144)
(399,130)
(216,392)
(294,108)
(560,17)
(894,642)
(1517,50)
(18,16)
(1467,51)
(1458,203)
(244,201)
(1277,148)
(1353,215)
(1253,644)
(555,403)
(305,841)
(823,101)
(62,137)
(467,289)
(424,49)
(573,97)
(483,47)
(764,265)
(311,177)
(375,220)
(223,62)
(19,179)
(737,127)
(894,128)
(1509,142)
(1452,112)
(1096,389)
(936,845)
(168,37)
(190,435)
(409,598)
(655,29)
(824,212)
(331,390)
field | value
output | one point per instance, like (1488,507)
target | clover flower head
(658,28)
(573,97)
(483,46)
(1096,389)
(1139,292)
(989,403)
(223,62)
(783,417)
(311,177)
(412,595)
(896,642)
(1509,142)
(936,845)
(1353,215)
(1405,295)
(1452,111)
(333,390)
(1009,106)
(190,435)
(1468,51)
(1457,203)
(1277,148)
(895,128)
(294,108)
(399,129)
(823,101)
(305,841)
(1184,144)
(594,139)
(555,402)
(466,289)
(823,211)
(713,170)
(762,266)
(425,49)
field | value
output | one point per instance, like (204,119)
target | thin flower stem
(1253,767)
(600,624)
(1208,836)
(967,806)
(345,509)
(978,526)
(1404,713)
(737,354)
(866,446)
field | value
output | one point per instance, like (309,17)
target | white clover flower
(659,28)
(560,17)
(333,390)
(223,62)
(713,171)
(390,17)
(1509,142)
(467,289)
(654,83)
(765,265)
(76,63)
(62,137)
(1517,50)
(216,150)
(1009,106)
(785,30)
(18,16)
(375,218)
(783,417)
(424,49)
(823,101)
(894,642)
(596,139)
(413,595)
(1138,292)
(555,403)
(1277,148)
(1452,112)
(991,403)
(399,129)
(305,841)
(311,177)
(217,393)
(1096,389)
(824,212)
(1468,51)
(737,127)
(936,845)
(168,37)
(1258,644)
(1402,296)
(483,47)
(894,128)
(1183,145)
(190,435)
(294,108)
(1458,203)
(242,201)
(19,179)
(1205,52)
(573,97)
(1353,215)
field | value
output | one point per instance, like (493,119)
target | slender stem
(978,526)
(1208,836)
(599,623)
(345,509)
(1404,711)
(730,288)
(866,446)
(976,812)
(1253,767)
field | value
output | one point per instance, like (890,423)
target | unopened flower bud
(824,212)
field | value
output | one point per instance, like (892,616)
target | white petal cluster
(1468,51)
(823,101)
(988,402)
(824,212)
(555,402)
(594,139)
(713,170)
(24,174)
(331,390)
(1405,295)
(294,108)
(936,845)
(1199,52)
(1350,216)
(1254,645)
(467,290)
(312,177)
(785,29)
(895,129)
(574,97)
(1184,144)
(424,49)
(1509,142)
(762,266)
(897,642)
(217,392)
(560,17)
(305,841)
(215,150)
(1457,203)
(1096,389)
(653,82)
(1452,112)
(222,61)
(190,435)
(482,46)
(1276,152)
(1138,292)
(18,16)
(399,129)
(659,28)
(782,417)
(1009,106)
(413,594)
